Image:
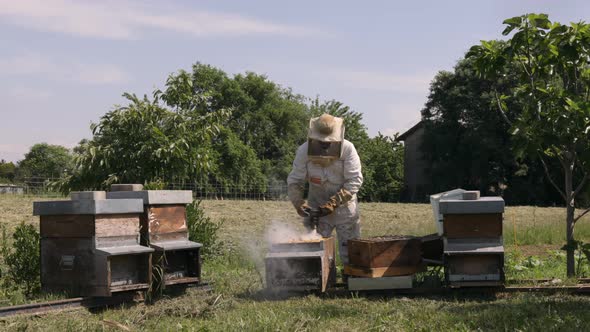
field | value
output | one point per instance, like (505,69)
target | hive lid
(155,197)
(175,245)
(124,250)
(491,204)
(93,207)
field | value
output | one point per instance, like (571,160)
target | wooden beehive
(90,247)
(164,228)
(473,249)
(386,251)
(301,266)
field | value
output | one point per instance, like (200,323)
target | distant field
(238,304)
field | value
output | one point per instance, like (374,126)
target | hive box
(386,251)
(164,228)
(90,246)
(469,261)
(301,266)
(473,249)
(477,226)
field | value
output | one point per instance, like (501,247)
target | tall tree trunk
(569,205)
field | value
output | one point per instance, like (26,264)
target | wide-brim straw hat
(326,128)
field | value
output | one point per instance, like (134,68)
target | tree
(235,165)
(45,161)
(269,119)
(383,171)
(7,170)
(551,61)
(467,143)
(145,142)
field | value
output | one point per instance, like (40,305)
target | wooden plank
(328,263)
(385,251)
(362,284)
(67,226)
(188,280)
(472,225)
(117,225)
(378,272)
(166,219)
(487,283)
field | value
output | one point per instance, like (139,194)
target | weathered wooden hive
(301,265)
(384,262)
(473,245)
(90,245)
(164,228)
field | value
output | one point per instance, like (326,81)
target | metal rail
(59,305)
(78,303)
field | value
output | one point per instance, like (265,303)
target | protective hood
(326,128)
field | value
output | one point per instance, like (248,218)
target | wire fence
(41,187)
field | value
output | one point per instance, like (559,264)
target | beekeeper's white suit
(334,176)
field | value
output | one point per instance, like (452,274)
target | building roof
(410,131)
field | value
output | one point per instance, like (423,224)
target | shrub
(155,184)
(22,260)
(202,229)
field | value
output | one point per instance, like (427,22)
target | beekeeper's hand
(303,209)
(342,197)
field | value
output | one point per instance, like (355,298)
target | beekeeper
(331,166)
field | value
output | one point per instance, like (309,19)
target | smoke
(281,232)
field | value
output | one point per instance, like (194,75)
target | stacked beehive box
(388,262)
(164,228)
(473,246)
(301,265)
(90,245)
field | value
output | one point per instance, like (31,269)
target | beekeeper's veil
(325,129)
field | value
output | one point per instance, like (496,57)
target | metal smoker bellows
(301,265)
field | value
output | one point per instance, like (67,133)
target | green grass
(238,301)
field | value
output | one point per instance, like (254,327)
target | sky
(64,64)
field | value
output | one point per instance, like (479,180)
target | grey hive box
(473,245)
(301,266)
(164,229)
(90,245)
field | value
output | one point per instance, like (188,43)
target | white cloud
(35,64)
(381,81)
(126,20)
(99,74)
(23,92)
(13,148)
